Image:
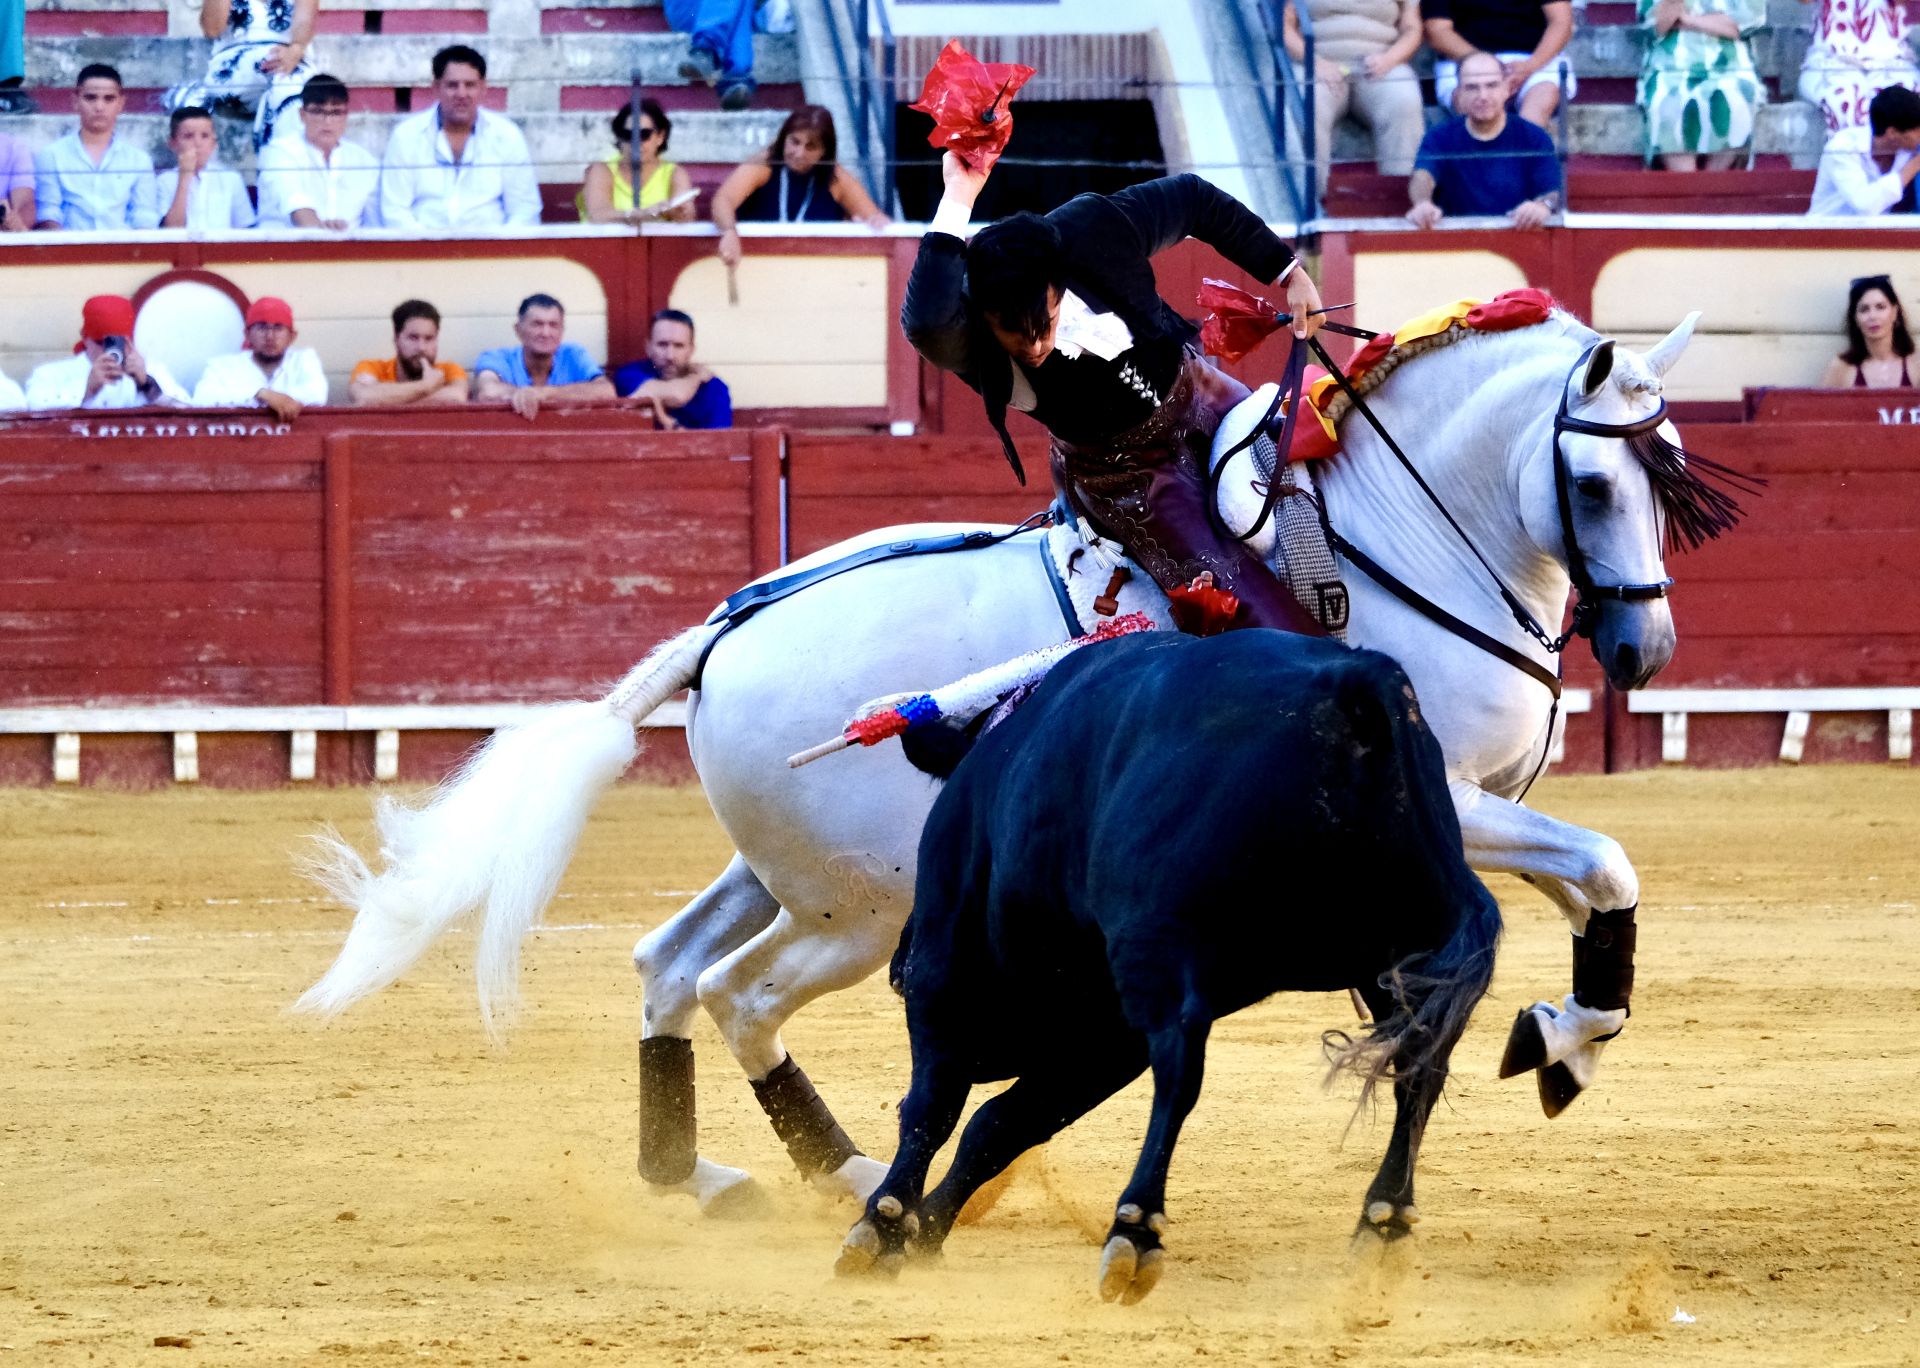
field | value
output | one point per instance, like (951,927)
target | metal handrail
(871,94)
(1293,97)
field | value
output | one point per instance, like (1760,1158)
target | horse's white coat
(824,877)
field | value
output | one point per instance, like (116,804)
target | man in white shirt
(1869,168)
(271,373)
(458,165)
(93,180)
(320,180)
(197,192)
(105,371)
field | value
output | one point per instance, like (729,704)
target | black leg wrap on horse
(1603,960)
(814,1140)
(668,1144)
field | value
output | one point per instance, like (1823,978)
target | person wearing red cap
(271,373)
(105,370)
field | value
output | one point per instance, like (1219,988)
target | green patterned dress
(1700,91)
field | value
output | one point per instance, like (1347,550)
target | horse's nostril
(1627,663)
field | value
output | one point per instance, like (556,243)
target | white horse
(815,899)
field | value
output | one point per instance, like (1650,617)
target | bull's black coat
(1168,831)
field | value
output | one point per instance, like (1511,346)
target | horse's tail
(1434,991)
(499,832)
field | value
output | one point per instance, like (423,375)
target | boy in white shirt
(320,180)
(271,373)
(197,192)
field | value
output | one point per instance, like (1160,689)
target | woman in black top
(798,179)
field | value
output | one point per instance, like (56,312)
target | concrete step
(562,144)
(405,59)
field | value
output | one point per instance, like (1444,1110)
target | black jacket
(1109,242)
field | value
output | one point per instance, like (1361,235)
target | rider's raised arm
(934,314)
(1164,211)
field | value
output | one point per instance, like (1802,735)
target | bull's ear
(1599,367)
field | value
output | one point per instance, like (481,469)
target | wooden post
(336,573)
(767,497)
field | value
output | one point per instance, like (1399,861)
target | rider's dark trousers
(1147,490)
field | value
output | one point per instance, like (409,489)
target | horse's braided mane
(1694,510)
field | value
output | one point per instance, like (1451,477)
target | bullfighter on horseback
(1057,316)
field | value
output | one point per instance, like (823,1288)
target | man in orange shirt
(414,374)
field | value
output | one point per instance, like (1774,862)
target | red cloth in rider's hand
(1202,608)
(970,103)
(1237,321)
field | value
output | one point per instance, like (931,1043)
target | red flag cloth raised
(969,100)
(1236,321)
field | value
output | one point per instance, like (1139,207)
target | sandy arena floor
(181,1158)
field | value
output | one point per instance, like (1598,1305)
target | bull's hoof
(1526,1043)
(1132,1262)
(1558,1088)
(1385,1222)
(877,1244)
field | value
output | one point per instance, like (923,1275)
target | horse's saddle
(1095,579)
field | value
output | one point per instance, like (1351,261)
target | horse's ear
(1667,350)
(1599,367)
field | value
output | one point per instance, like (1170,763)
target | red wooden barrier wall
(477,558)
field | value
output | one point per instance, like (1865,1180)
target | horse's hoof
(1558,1088)
(745,1200)
(857,1179)
(1526,1043)
(865,1251)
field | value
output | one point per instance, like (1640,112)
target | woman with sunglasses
(607,195)
(1878,343)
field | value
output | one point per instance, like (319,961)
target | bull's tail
(1434,991)
(498,834)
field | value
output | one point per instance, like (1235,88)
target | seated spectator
(320,180)
(606,196)
(259,61)
(1361,51)
(271,373)
(1530,40)
(458,165)
(1878,343)
(798,179)
(16,186)
(105,371)
(1859,48)
(1698,83)
(682,394)
(414,374)
(721,51)
(12,397)
(196,191)
(93,180)
(13,59)
(1483,162)
(543,368)
(1869,168)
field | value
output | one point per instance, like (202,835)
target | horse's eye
(1596,487)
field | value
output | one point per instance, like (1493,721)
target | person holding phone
(105,371)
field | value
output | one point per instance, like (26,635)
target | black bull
(1170,830)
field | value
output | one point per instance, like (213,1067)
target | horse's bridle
(1587,595)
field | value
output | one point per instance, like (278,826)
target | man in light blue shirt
(458,165)
(543,368)
(93,180)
